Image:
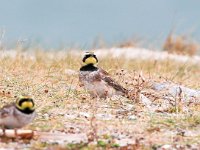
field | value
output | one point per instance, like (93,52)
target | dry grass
(129,43)
(181,45)
(63,106)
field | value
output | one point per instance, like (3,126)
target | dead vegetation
(65,108)
(129,43)
(181,44)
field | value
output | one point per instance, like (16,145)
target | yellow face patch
(27,105)
(90,60)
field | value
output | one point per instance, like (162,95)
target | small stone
(84,114)
(46,116)
(167,146)
(104,116)
(70,116)
(132,117)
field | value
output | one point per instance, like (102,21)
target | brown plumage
(97,81)
(17,115)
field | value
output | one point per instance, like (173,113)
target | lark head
(25,103)
(90,58)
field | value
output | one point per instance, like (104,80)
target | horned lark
(96,80)
(18,114)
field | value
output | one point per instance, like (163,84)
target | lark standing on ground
(18,114)
(97,81)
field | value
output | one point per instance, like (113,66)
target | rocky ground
(163,115)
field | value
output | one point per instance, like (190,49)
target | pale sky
(52,23)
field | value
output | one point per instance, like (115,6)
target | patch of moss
(101,143)
(115,145)
(82,146)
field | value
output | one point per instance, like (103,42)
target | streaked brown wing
(105,76)
(103,72)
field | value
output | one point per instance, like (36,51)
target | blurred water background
(84,23)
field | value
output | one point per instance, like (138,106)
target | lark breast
(95,85)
